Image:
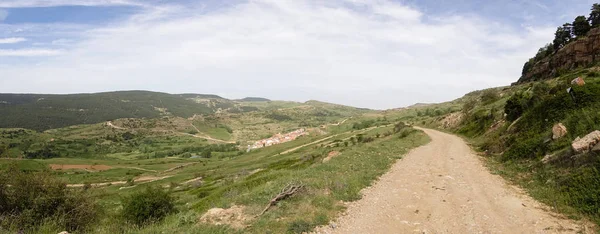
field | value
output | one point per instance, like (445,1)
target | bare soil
(331,155)
(443,187)
(139,180)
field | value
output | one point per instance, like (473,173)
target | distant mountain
(196,95)
(47,111)
(253,99)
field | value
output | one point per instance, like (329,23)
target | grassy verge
(570,191)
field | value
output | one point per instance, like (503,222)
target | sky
(376,54)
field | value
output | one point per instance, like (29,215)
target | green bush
(406,132)
(147,206)
(363,124)
(515,106)
(489,96)
(399,127)
(523,149)
(30,200)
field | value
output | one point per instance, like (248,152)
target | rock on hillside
(581,52)
(558,131)
(585,144)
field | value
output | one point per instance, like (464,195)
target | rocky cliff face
(582,52)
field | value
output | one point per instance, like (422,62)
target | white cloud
(28,52)
(50,3)
(3,14)
(12,40)
(337,51)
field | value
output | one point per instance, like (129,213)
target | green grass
(216,131)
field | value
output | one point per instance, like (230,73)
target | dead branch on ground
(288,191)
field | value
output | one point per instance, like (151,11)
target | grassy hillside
(41,112)
(512,126)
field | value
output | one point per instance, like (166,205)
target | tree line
(566,34)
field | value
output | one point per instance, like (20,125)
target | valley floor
(443,187)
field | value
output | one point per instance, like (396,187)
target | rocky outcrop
(452,120)
(558,131)
(234,217)
(585,144)
(581,52)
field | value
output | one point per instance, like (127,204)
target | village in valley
(278,138)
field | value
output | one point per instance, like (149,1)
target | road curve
(443,187)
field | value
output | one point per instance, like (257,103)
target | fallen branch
(288,191)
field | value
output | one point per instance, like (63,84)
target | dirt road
(443,187)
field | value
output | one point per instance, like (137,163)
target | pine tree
(581,26)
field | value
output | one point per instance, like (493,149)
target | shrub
(399,127)
(147,206)
(367,139)
(515,106)
(363,124)
(489,96)
(29,200)
(406,132)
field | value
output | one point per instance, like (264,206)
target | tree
(594,18)
(562,36)
(581,26)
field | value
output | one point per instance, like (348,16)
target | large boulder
(558,131)
(586,143)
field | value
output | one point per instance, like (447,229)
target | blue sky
(368,53)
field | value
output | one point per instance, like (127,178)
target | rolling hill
(47,111)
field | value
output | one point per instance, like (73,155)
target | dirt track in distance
(443,187)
